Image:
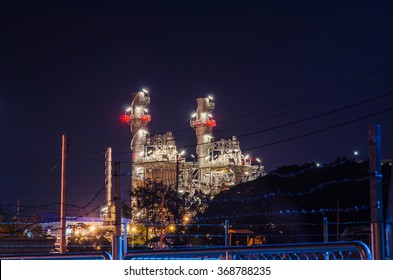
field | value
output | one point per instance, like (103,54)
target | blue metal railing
(306,251)
(56,256)
(354,250)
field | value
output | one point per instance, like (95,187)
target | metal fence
(56,256)
(354,250)
(307,251)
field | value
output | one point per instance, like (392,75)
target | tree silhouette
(162,207)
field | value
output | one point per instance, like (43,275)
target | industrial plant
(217,166)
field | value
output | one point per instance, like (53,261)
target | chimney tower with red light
(202,122)
(138,118)
(217,165)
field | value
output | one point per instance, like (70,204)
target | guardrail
(355,250)
(56,256)
(26,245)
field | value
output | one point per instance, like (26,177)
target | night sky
(277,70)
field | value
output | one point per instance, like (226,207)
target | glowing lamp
(125,118)
(145,118)
(211,123)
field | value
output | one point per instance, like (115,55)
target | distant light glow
(355,153)
(258,160)
(318,164)
(145,118)
(128,109)
(125,118)
(142,131)
(145,90)
(211,123)
(210,97)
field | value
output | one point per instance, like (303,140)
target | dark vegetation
(290,203)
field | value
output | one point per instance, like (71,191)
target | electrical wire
(318,115)
(289,102)
(242,125)
(320,130)
(313,94)
(35,180)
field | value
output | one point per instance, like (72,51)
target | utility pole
(17,209)
(63,237)
(377,231)
(226,230)
(226,241)
(108,182)
(177,174)
(389,220)
(338,221)
(125,245)
(326,234)
(116,244)
(325,230)
(162,216)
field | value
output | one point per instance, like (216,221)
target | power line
(312,94)
(307,119)
(80,208)
(33,173)
(51,168)
(288,112)
(320,130)
(307,96)
(318,115)
(310,118)
(306,107)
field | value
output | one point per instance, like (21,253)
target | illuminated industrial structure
(218,166)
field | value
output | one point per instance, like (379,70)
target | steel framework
(219,164)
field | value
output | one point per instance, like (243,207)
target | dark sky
(272,67)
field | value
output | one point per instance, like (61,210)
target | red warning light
(125,118)
(211,123)
(145,118)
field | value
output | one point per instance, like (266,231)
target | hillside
(290,203)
